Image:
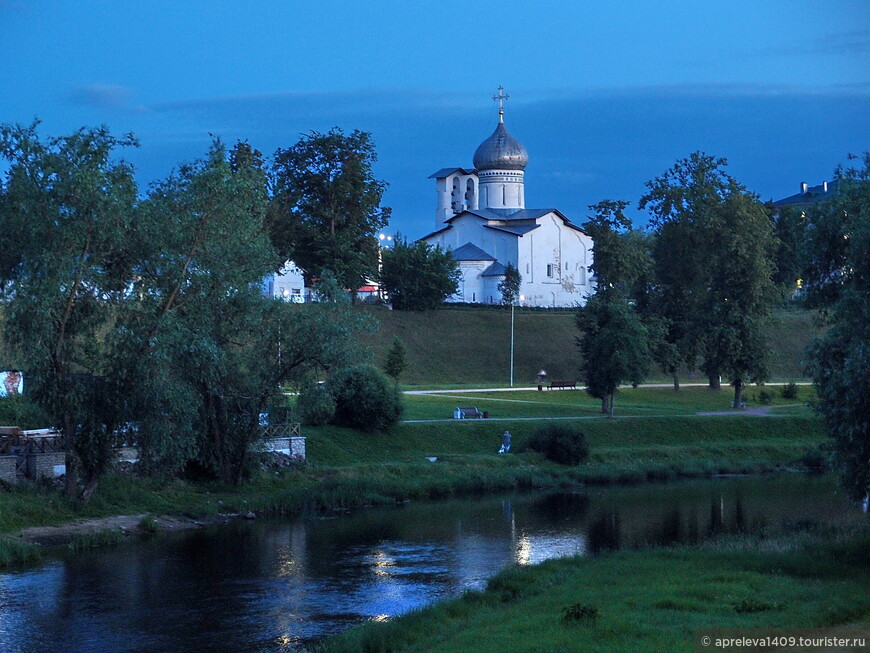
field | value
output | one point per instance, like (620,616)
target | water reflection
(272,586)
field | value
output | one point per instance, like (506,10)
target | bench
(469,412)
(556,385)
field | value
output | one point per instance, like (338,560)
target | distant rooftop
(810,195)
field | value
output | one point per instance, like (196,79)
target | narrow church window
(549,269)
(456,196)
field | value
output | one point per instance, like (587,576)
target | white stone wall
(553,263)
(288,284)
(553,260)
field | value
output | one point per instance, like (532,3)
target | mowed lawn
(633,402)
(656,432)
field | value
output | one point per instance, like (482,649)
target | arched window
(469,192)
(456,196)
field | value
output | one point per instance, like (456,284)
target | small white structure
(288,284)
(482,218)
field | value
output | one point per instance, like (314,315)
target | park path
(756,411)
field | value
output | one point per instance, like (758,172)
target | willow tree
(70,205)
(210,351)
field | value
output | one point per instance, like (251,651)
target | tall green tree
(70,205)
(741,294)
(838,284)
(509,287)
(326,209)
(613,341)
(418,276)
(704,223)
(614,344)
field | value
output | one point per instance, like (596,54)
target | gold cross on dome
(500,98)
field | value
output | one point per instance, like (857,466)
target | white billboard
(11,383)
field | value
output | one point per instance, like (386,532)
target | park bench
(469,412)
(557,385)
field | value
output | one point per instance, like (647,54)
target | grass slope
(463,346)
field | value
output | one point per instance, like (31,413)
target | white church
(483,220)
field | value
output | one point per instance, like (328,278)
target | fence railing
(280,430)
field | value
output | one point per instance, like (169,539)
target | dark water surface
(276,585)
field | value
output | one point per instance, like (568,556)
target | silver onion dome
(501,151)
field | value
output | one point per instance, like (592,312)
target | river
(276,585)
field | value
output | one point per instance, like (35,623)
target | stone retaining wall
(7,468)
(46,465)
(292,446)
(297,447)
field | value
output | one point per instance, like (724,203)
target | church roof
(501,151)
(446,172)
(471,252)
(494,270)
(513,214)
(515,229)
(508,215)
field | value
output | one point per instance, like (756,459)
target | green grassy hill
(472,345)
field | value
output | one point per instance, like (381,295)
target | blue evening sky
(604,95)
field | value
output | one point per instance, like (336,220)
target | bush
(815,460)
(790,391)
(765,397)
(565,445)
(364,398)
(580,612)
(315,405)
(20,411)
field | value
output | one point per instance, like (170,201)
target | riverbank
(800,576)
(659,436)
(722,446)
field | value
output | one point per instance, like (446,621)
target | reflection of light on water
(532,549)
(286,564)
(381,562)
(286,640)
(381,618)
(524,551)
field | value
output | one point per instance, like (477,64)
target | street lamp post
(384,242)
(512,344)
(512,340)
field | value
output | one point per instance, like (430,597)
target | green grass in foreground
(653,600)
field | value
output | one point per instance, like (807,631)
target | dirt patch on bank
(129,525)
